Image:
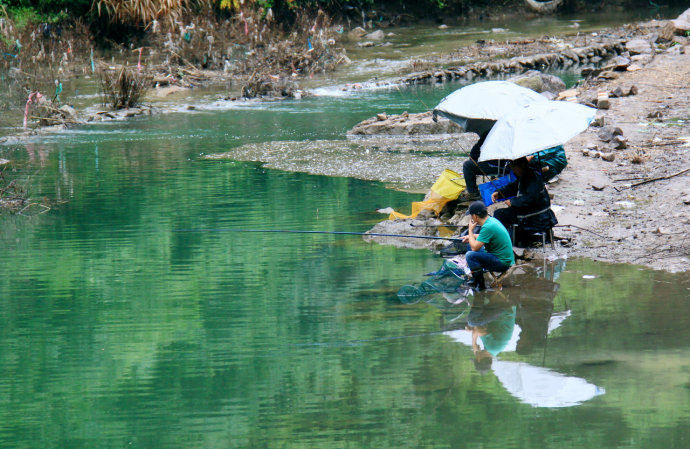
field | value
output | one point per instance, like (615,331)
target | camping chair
(541,234)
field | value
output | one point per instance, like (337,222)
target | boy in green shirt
(491,249)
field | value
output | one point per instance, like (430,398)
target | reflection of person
(531,207)
(471,169)
(491,249)
(493,325)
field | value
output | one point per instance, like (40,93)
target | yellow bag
(446,188)
(449,184)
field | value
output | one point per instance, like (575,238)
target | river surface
(131,318)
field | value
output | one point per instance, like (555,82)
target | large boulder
(539,82)
(638,47)
(676,27)
(404,124)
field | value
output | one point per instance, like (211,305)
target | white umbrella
(541,387)
(535,127)
(476,107)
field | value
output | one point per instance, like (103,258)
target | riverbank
(612,194)
(644,224)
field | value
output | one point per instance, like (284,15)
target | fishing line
(296,231)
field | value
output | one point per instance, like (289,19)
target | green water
(118,330)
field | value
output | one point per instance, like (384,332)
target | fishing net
(449,281)
(446,188)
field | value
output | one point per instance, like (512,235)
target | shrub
(124,88)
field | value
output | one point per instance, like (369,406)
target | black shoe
(477,281)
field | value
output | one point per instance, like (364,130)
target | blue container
(488,188)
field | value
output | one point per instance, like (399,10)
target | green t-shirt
(499,331)
(496,240)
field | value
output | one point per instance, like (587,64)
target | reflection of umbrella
(541,387)
(476,107)
(535,127)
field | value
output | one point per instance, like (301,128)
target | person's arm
(505,192)
(475,244)
(532,193)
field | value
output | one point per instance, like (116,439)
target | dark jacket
(531,202)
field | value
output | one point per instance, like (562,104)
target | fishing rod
(295,231)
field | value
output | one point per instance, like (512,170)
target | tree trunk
(544,7)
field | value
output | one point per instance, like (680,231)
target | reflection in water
(517,319)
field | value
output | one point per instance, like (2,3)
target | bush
(124,88)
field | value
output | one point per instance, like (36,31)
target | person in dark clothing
(529,206)
(471,168)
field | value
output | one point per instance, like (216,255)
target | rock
(68,112)
(375,36)
(598,187)
(404,124)
(617,92)
(607,134)
(662,231)
(4,162)
(442,27)
(519,252)
(566,94)
(603,100)
(618,63)
(598,121)
(357,33)
(686,200)
(638,47)
(608,157)
(169,90)
(539,82)
(609,75)
(619,143)
(366,44)
(633,90)
(679,26)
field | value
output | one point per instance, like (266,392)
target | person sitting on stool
(491,249)
(530,209)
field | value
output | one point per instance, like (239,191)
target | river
(130,317)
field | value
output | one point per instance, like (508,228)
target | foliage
(124,88)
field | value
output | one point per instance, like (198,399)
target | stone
(617,92)
(676,27)
(357,33)
(68,112)
(598,121)
(539,82)
(565,94)
(633,90)
(619,63)
(638,46)
(598,187)
(609,75)
(375,36)
(619,143)
(4,162)
(603,100)
(608,157)
(404,124)
(366,44)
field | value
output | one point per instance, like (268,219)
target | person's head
(483,361)
(520,166)
(478,211)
